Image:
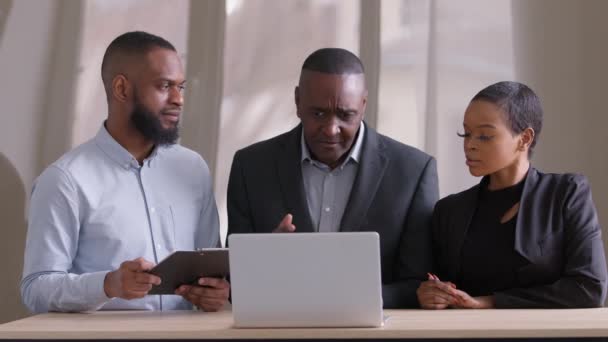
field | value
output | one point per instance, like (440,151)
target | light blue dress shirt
(327,190)
(96,207)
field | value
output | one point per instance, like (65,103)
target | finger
(198,290)
(130,265)
(191,297)
(212,301)
(434,306)
(139,287)
(429,292)
(428,284)
(443,287)
(463,298)
(147,278)
(221,295)
(286,221)
(218,283)
(137,265)
(205,302)
(286,225)
(130,294)
(182,290)
(433,295)
(437,298)
(430,276)
(430,287)
(211,305)
(209,292)
(143,264)
(461,294)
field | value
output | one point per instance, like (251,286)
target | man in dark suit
(335,173)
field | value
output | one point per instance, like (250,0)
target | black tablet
(186,267)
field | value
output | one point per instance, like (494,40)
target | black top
(489,260)
(557,232)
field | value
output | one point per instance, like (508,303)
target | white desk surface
(401,324)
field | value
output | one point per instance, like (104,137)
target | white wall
(561,52)
(471,49)
(24,52)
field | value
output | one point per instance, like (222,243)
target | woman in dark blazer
(520,238)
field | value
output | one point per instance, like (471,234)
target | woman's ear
(527,138)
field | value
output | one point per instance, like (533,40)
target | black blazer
(393,194)
(557,231)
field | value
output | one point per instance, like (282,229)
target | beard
(149,125)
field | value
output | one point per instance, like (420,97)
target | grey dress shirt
(327,190)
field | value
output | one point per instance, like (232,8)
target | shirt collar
(354,154)
(119,154)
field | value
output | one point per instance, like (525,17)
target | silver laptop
(306,280)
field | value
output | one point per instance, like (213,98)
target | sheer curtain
(435,56)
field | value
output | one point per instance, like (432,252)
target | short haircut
(126,46)
(333,61)
(520,105)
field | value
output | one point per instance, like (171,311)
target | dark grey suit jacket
(557,231)
(393,194)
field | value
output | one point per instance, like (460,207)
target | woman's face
(489,144)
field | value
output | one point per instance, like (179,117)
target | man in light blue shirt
(109,210)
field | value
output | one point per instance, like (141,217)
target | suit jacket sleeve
(437,242)
(239,213)
(415,256)
(583,280)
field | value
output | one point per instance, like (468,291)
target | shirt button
(158,246)
(152,210)
(328,209)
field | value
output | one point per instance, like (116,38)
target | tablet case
(186,267)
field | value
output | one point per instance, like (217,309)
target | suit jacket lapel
(292,185)
(372,165)
(459,226)
(526,239)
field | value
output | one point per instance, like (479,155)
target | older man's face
(331,108)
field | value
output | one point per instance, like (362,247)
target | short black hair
(136,43)
(334,61)
(519,103)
